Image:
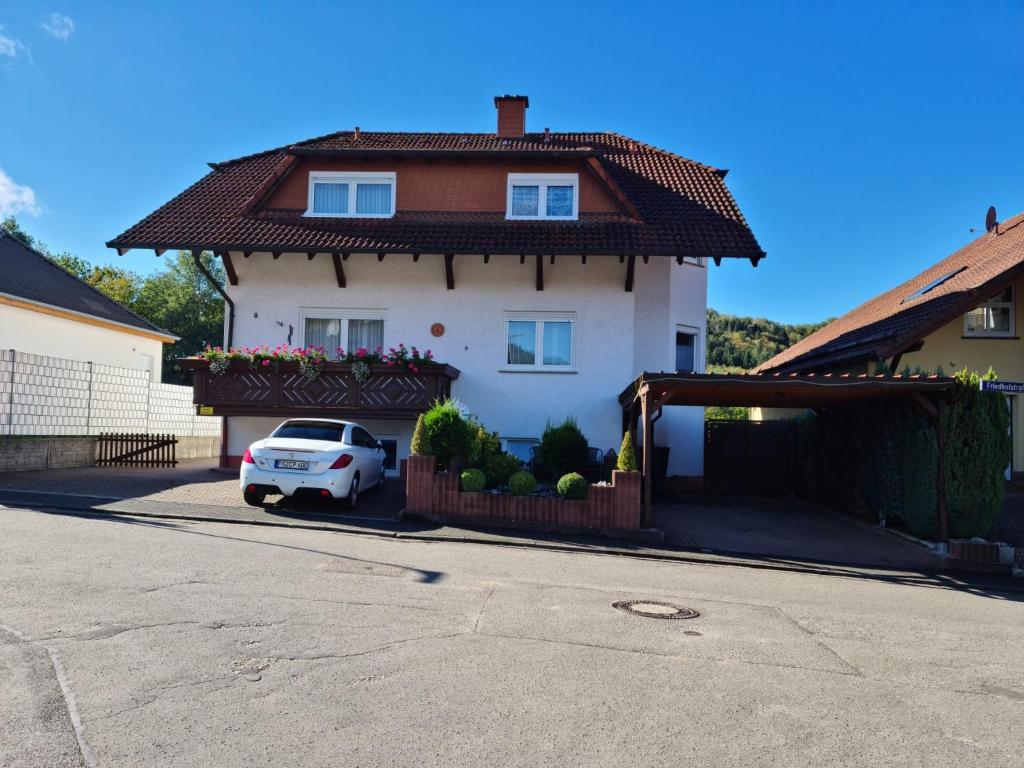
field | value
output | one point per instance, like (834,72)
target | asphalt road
(204,644)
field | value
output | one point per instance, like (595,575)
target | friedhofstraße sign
(1009,387)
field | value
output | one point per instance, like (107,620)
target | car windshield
(311,430)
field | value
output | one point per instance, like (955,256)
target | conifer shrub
(522,483)
(572,486)
(627,456)
(419,446)
(449,435)
(562,449)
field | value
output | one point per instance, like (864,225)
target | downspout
(230,308)
(220,289)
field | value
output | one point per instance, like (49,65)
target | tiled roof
(684,206)
(27,274)
(889,323)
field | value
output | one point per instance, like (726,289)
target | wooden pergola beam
(646,411)
(630,269)
(540,272)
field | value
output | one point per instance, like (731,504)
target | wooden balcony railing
(283,391)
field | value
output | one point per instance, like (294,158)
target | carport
(645,398)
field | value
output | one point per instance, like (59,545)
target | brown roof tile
(891,322)
(684,206)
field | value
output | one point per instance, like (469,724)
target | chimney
(511,116)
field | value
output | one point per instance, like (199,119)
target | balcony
(283,391)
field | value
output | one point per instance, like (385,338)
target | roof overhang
(776,390)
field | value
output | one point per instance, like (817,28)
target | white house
(548,268)
(44,310)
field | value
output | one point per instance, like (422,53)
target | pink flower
(266,362)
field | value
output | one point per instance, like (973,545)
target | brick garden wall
(436,495)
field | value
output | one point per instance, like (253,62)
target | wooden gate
(131,450)
(750,458)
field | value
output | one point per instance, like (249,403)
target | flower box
(280,389)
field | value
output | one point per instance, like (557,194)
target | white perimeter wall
(40,334)
(618,334)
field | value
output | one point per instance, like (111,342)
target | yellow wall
(949,350)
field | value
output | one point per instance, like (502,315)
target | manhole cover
(653,609)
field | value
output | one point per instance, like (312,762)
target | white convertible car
(319,457)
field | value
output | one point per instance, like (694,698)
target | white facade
(64,336)
(616,334)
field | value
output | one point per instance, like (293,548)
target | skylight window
(351,194)
(933,285)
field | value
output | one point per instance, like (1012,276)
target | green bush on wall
(487,456)
(472,480)
(883,458)
(522,484)
(447,433)
(572,486)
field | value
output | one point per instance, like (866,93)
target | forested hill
(742,343)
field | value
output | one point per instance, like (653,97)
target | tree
(181,300)
(178,298)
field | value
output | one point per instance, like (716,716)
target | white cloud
(16,198)
(59,26)
(9,47)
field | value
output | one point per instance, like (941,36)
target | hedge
(882,458)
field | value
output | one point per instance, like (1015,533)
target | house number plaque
(437,329)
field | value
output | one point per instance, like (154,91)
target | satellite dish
(990,219)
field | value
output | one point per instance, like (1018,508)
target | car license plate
(291,464)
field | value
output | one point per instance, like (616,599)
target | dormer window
(352,194)
(543,196)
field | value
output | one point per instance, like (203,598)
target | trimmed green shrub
(499,468)
(448,434)
(487,456)
(572,486)
(627,456)
(976,424)
(472,480)
(522,484)
(418,446)
(563,448)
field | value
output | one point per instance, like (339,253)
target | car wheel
(353,493)
(254,498)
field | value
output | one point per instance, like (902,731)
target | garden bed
(436,495)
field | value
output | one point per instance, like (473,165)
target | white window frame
(689,330)
(539,318)
(543,181)
(329,313)
(532,442)
(352,178)
(695,261)
(996,303)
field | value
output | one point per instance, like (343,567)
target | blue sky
(864,140)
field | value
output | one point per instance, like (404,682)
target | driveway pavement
(196,644)
(788,529)
(192,484)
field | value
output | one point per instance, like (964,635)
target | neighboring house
(44,310)
(964,312)
(548,268)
